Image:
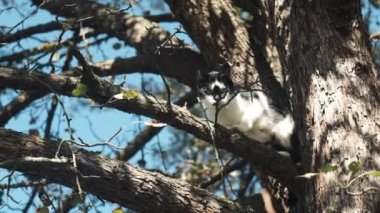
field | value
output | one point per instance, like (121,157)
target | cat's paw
(241,127)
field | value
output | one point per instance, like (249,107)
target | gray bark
(113,180)
(325,52)
(265,159)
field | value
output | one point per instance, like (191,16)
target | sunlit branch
(149,132)
(169,17)
(109,176)
(263,158)
(181,66)
(141,33)
(226,170)
(19,103)
(25,33)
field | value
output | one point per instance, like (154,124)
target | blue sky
(91,123)
(105,122)
(85,119)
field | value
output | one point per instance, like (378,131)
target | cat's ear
(202,79)
(226,68)
(200,75)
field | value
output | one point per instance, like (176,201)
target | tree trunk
(326,60)
(220,35)
(324,50)
(265,159)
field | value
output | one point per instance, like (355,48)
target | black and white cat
(249,112)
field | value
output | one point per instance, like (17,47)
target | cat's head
(215,87)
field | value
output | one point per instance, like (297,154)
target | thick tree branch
(263,158)
(226,170)
(138,142)
(23,100)
(161,17)
(113,180)
(48,47)
(223,38)
(249,6)
(22,184)
(149,131)
(25,33)
(259,35)
(24,80)
(181,66)
(146,36)
(50,117)
(220,35)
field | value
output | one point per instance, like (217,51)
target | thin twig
(26,17)
(23,100)
(168,92)
(77,176)
(30,201)
(161,153)
(50,117)
(8,189)
(366,190)
(212,132)
(84,144)
(109,12)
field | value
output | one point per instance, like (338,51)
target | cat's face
(215,87)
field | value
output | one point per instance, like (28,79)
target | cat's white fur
(253,116)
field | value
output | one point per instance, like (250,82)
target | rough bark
(149,132)
(22,101)
(25,33)
(159,52)
(324,51)
(220,35)
(223,39)
(144,35)
(265,159)
(328,71)
(179,66)
(115,181)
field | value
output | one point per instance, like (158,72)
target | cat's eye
(206,91)
(223,90)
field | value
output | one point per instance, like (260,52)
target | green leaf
(374,173)
(43,210)
(116,46)
(328,168)
(56,57)
(118,210)
(80,90)
(332,208)
(88,58)
(127,94)
(66,26)
(355,167)
(130,94)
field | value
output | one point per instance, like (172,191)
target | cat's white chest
(251,116)
(237,113)
(250,112)
(227,116)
